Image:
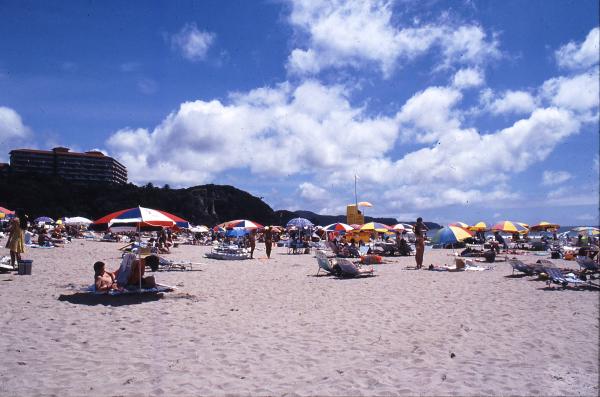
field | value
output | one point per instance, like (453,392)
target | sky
(449,110)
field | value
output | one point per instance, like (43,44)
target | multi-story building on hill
(92,166)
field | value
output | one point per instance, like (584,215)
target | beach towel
(129,290)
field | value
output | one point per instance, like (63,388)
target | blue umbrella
(450,235)
(299,223)
(44,219)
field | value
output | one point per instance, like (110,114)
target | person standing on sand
(420,230)
(268,241)
(16,236)
(252,241)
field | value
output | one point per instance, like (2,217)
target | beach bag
(490,256)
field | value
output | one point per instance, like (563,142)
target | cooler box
(25,267)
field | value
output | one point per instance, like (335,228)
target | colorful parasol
(479,227)
(375,226)
(299,223)
(244,223)
(137,218)
(509,227)
(545,226)
(459,224)
(450,235)
(338,227)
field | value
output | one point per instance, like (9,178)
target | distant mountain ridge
(205,204)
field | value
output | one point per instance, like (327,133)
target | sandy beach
(270,327)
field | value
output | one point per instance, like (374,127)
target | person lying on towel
(127,275)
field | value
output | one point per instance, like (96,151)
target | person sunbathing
(104,281)
(128,274)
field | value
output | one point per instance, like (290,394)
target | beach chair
(557,277)
(363,250)
(325,263)
(350,269)
(588,265)
(521,267)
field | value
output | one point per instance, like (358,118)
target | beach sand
(270,327)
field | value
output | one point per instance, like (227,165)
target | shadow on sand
(82,298)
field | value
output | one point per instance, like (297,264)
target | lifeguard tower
(353,215)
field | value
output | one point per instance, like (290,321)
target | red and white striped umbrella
(338,227)
(243,223)
(137,218)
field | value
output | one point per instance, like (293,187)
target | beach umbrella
(199,229)
(450,235)
(355,226)
(6,211)
(237,232)
(525,225)
(43,219)
(509,227)
(243,223)
(299,223)
(588,230)
(77,221)
(478,227)
(338,227)
(365,204)
(137,218)
(375,226)
(218,229)
(545,226)
(459,224)
(399,227)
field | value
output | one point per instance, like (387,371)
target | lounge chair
(588,265)
(521,267)
(325,263)
(349,269)
(363,250)
(557,277)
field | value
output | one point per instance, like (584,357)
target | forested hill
(205,204)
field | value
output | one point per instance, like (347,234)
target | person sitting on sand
(129,273)
(103,280)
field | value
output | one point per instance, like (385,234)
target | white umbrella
(199,229)
(77,220)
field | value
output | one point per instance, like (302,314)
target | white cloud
(550,178)
(429,114)
(11,125)
(193,43)
(579,92)
(284,130)
(580,55)
(353,33)
(466,78)
(516,102)
(312,192)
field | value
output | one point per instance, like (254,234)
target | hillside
(205,204)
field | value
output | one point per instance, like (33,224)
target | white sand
(261,327)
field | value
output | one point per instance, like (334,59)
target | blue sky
(450,110)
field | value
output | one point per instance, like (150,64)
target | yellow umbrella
(545,226)
(478,227)
(375,226)
(459,224)
(509,227)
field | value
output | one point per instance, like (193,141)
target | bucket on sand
(25,267)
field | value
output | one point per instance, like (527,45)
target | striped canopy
(450,235)
(545,226)
(459,224)
(375,226)
(478,227)
(338,227)
(509,227)
(587,230)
